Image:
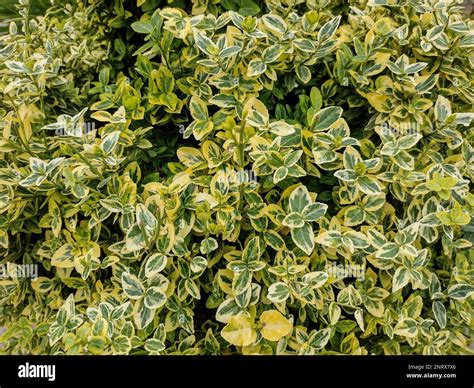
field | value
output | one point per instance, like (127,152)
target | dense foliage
(254,177)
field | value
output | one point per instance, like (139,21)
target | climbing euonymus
(253,177)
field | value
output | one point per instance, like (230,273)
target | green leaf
(334,313)
(407,142)
(280,174)
(314,211)
(351,158)
(439,312)
(145,219)
(55,333)
(427,84)
(299,199)
(155,264)
(349,296)
(132,286)
(252,250)
(205,44)
(198,109)
(190,156)
(459,216)
(305,45)
(390,148)
(326,117)
(275,23)
(256,67)
(439,184)
(328,29)
(42,284)
(273,239)
(374,307)
(303,238)
(33,180)
(249,8)
(226,310)
(400,279)
(278,292)
(242,281)
(415,67)
(208,245)
(153,345)
(464,118)
(97,345)
(102,116)
(354,216)
(229,51)
(369,185)
(377,293)
(154,298)
(142,27)
(109,142)
(356,239)
(134,239)
(315,279)
(121,345)
(192,288)
(460,291)
(198,264)
(404,160)
(293,220)
(257,113)
(142,315)
(272,53)
(223,100)
(319,339)
(280,128)
(442,109)
(388,251)
(17,67)
(346,175)
(331,238)
(303,73)
(64,257)
(165,80)
(406,328)
(292,158)
(201,129)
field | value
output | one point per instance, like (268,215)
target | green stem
(20,123)
(40,93)
(241,148)
(93,169)
(26,24)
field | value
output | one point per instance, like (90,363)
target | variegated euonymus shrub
(258,177)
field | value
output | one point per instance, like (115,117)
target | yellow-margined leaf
(239,331)
(274,325)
